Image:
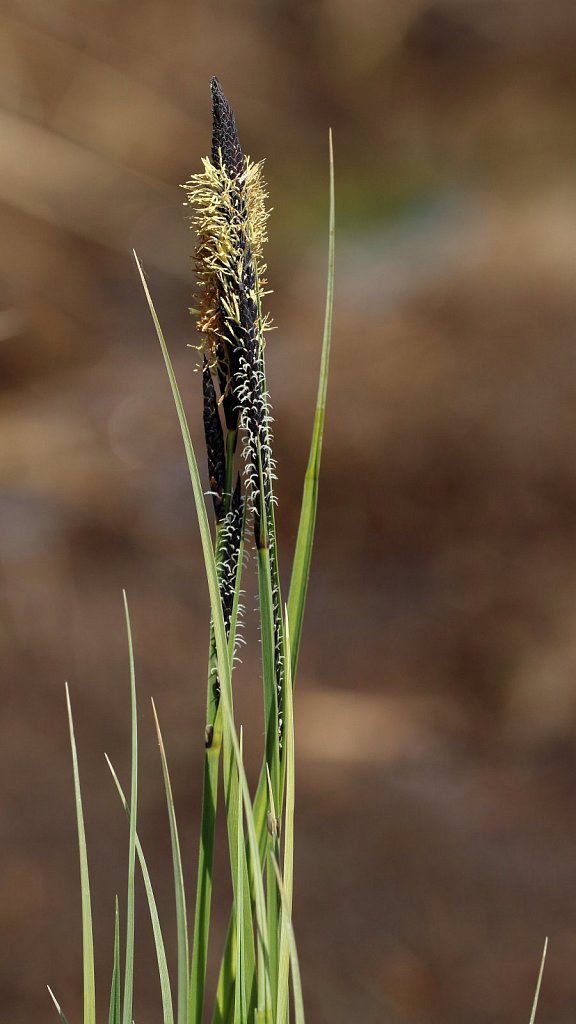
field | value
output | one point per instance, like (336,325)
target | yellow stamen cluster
(230,218)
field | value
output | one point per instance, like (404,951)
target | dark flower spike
(229,552)
(228,200)
(214,442)
(229,546)
(226,149)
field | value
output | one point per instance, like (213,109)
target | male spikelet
(230,216)
(228,199)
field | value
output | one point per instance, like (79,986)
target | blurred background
(436,703)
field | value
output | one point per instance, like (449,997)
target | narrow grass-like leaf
(240,1001)
(272,754)
(224,1003)
(87,937)
(260,808)
(203,904)
(224,661)
(244,922)
(539,982)
(204,879)
(242,915)
(271,767)
(272,897)
(129,967)
(208,822)
(205,535)
(114,1011)
(288,883)
(294,965)
(181,924)
(259,898)
(59,1009)
(305,537)
(167,1011)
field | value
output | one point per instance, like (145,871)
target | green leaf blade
(240,999)
(205,535)
(87,936)
(222,651)
(130,903)
(258,885)
(181,922)
(114,1011)
(288,873)
(204,882)
(294,964)
(272,751)
(167,1010)
(208,821)
(307,524)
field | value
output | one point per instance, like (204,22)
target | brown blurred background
(436,704)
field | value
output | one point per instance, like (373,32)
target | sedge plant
(259,978)
(228,204)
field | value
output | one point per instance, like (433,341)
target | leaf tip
(53,998)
